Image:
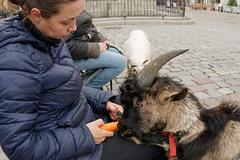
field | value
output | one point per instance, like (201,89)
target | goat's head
(150,99)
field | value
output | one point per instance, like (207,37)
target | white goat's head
(137,50)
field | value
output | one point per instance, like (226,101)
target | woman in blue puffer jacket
(45,112)
(43,105)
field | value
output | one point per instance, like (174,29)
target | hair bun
(18,2)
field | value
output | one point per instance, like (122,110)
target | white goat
(137,50)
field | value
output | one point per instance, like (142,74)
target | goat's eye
(139,105)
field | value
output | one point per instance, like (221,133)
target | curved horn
(149,72)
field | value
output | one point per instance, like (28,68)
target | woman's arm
(97,99)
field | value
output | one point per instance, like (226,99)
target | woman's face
(61,24)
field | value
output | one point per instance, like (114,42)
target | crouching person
(90,51)
(45,111)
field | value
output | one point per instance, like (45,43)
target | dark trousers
(119,148)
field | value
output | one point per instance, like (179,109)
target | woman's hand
(113,109)
(99,135)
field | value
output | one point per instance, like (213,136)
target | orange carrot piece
(112,126)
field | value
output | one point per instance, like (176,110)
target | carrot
(112,126)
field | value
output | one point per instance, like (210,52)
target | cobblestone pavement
(211,67)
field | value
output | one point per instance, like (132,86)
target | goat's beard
(128,134)
(151,138)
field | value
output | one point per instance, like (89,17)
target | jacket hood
(12,31)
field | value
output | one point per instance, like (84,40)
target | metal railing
(125,8)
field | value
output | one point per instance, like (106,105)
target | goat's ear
(180,95)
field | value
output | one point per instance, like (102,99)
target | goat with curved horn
(149,72)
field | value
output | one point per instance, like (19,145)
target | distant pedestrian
(4,14)
(158,4)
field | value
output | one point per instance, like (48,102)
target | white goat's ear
(180,95)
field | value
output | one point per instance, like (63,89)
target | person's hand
(113,109)
(103,47)
(99,135)
(107,42)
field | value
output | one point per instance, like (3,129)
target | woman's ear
(36,14)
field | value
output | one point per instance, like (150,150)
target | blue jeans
(111,61)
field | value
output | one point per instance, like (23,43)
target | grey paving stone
(225,91)
(202,95)
(2,155)
(214,93)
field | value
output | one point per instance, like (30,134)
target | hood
(12,31)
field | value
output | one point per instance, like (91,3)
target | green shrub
(235,3)
(229,3)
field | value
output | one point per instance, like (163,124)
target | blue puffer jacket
(43,106)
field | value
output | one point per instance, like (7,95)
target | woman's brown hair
(47,7)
